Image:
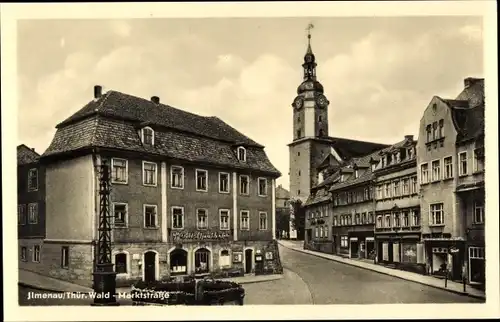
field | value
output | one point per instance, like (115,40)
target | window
(24,254)
(441,128)
(380,192)
(262,186)
(33,180)
(224,219)
(387,221)
(33,213)
(424,173)
(406,186)
(437,214)
(316,232)
(201,219)
(363,218)
(150,216)
(478,161)
(245,220)
(448,167)
(201,180)
(387,190)
(120,171)
(396,188)
(244,183)
(177,177)
(321,232)
(406,219)
(366,194)
(349,219)
(65,256)
(335,222)
(428,131)
(120,214)
(462,163)
(223,182)
(414,187)
(224,258)
(379,221)
(36,254)
(397,222)
(148,173)
(242,154)
(415,221)
(370,218)
(434,130)
(436,170)
(121,263)
(356,219)
(479,212)
(177,217)
(262,220)
(147,136)
(21,214)
(410,153)
(344,242)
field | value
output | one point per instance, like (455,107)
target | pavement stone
(453,287)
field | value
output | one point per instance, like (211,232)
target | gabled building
(30,207)
(190,194)
(450,160)
(397,207)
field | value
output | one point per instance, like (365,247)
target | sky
(379,73)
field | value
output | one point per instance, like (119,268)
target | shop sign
(178,236)
(453,250)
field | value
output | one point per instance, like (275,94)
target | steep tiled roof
(468,110)
(321,195)
(178,134)
(26,155)
(136,109)
(348,148)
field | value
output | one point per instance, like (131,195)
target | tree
(282,220)
(298,218)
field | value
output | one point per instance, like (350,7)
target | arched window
(121,263)
(202,260)
(178,261)
(242,154)
(224,259)
(321,133)
(147,136)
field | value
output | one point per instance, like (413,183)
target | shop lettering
(199,235)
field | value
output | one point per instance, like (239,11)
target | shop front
(361,244)
(445,256)
(403,251)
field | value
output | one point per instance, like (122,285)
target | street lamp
(104,274)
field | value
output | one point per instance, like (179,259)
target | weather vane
(309,27)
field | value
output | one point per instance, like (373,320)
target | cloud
(378,85)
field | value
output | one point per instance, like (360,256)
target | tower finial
(309,27)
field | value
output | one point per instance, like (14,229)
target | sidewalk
(409,276)
(50,284)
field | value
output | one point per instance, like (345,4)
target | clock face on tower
(322,101)
(299,102)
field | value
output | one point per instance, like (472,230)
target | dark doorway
(178,262)
(248,261)
(370,248)
(380,252)
(334,240)
(150,266)
(354,248)
(390,253)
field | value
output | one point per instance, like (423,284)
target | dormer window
(242,154)
(356,174)
(320,177)
(147,136)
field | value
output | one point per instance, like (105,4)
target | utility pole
(104,274)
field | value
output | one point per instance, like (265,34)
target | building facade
(30,207)
(283,210)
(397,208)
(190,194)
(450,146)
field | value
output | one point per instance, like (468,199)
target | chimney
(409,137)
(97,91)
(33,149)
(155,99)
(470,81)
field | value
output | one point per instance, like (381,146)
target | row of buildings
(189,194)
(417,204)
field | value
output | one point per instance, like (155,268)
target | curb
(262,281)
(385,273)
(46,289)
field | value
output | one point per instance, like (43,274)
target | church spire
(309,64)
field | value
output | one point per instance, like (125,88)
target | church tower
(310,143)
